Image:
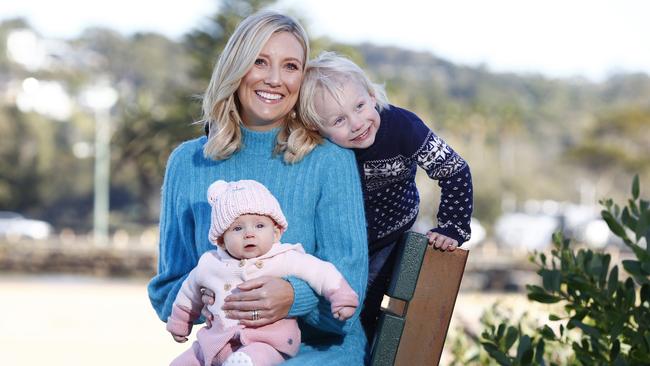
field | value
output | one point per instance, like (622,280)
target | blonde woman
(254,133)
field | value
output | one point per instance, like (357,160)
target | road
(71,320)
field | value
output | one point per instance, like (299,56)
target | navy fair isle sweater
(388,168)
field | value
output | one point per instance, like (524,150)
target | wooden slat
(429,311)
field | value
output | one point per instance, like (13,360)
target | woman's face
(269,90)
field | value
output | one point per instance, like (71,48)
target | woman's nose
(273,77)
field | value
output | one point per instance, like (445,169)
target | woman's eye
(292,66)
(260,62)
(360,105)
(338,121)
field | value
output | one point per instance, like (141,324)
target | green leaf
(632,267)
(612,282)
(497,355)
(548,333)
(633,207)
(588,329)
(553,317)
(500,331)
(511,337)
(643,226)
(551,280)
(627,219)
(539,353)
(645,293)
(614,226)
(525,350)
(604,269)
(635,187)
(536,293)
(616,349)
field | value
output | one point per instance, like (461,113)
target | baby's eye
(237,228)
(259,226)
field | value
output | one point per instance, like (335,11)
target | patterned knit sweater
(322,199)
(388,170)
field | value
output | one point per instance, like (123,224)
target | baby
(246,225)
(338,99)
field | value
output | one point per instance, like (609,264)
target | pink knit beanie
(230,200)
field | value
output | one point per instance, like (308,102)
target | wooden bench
(423,290)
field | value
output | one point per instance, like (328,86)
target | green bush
(603,317)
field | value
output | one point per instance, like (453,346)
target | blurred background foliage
(525,136)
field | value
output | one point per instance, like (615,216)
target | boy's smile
(352,124)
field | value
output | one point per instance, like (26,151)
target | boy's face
(355,122)
(250,236)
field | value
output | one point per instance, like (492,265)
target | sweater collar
(259,142)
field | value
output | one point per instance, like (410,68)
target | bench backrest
(423,291)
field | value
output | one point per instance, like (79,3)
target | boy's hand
(345,312)
(442,242)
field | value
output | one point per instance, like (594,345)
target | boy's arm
(454,178)
(443,164)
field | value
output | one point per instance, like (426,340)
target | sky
(557,38)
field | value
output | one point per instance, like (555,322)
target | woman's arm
(340,232)
(177,255)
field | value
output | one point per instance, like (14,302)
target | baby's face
(250,236)
(353,124)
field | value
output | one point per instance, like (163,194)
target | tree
(604,320)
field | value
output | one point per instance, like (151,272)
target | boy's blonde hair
(326,74)
(220,104)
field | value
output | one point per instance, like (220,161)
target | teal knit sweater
(322,199)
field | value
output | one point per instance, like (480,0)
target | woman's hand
(207,298)
(261,301)
(442,242)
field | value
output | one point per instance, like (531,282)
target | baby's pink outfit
(221,273)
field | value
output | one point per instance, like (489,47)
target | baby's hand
(442,242)
(344,313)
(179,338)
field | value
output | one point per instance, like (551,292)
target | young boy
(339,100)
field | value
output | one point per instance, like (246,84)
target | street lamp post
(100,98)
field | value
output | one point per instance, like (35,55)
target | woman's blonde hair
(220,104)
(327,73)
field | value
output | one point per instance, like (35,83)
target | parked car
(15,225)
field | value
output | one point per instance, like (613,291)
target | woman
(254,133)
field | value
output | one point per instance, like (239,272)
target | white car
(14,225)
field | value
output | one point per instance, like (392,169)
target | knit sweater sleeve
(341,233)
(454,178)
(177,253)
